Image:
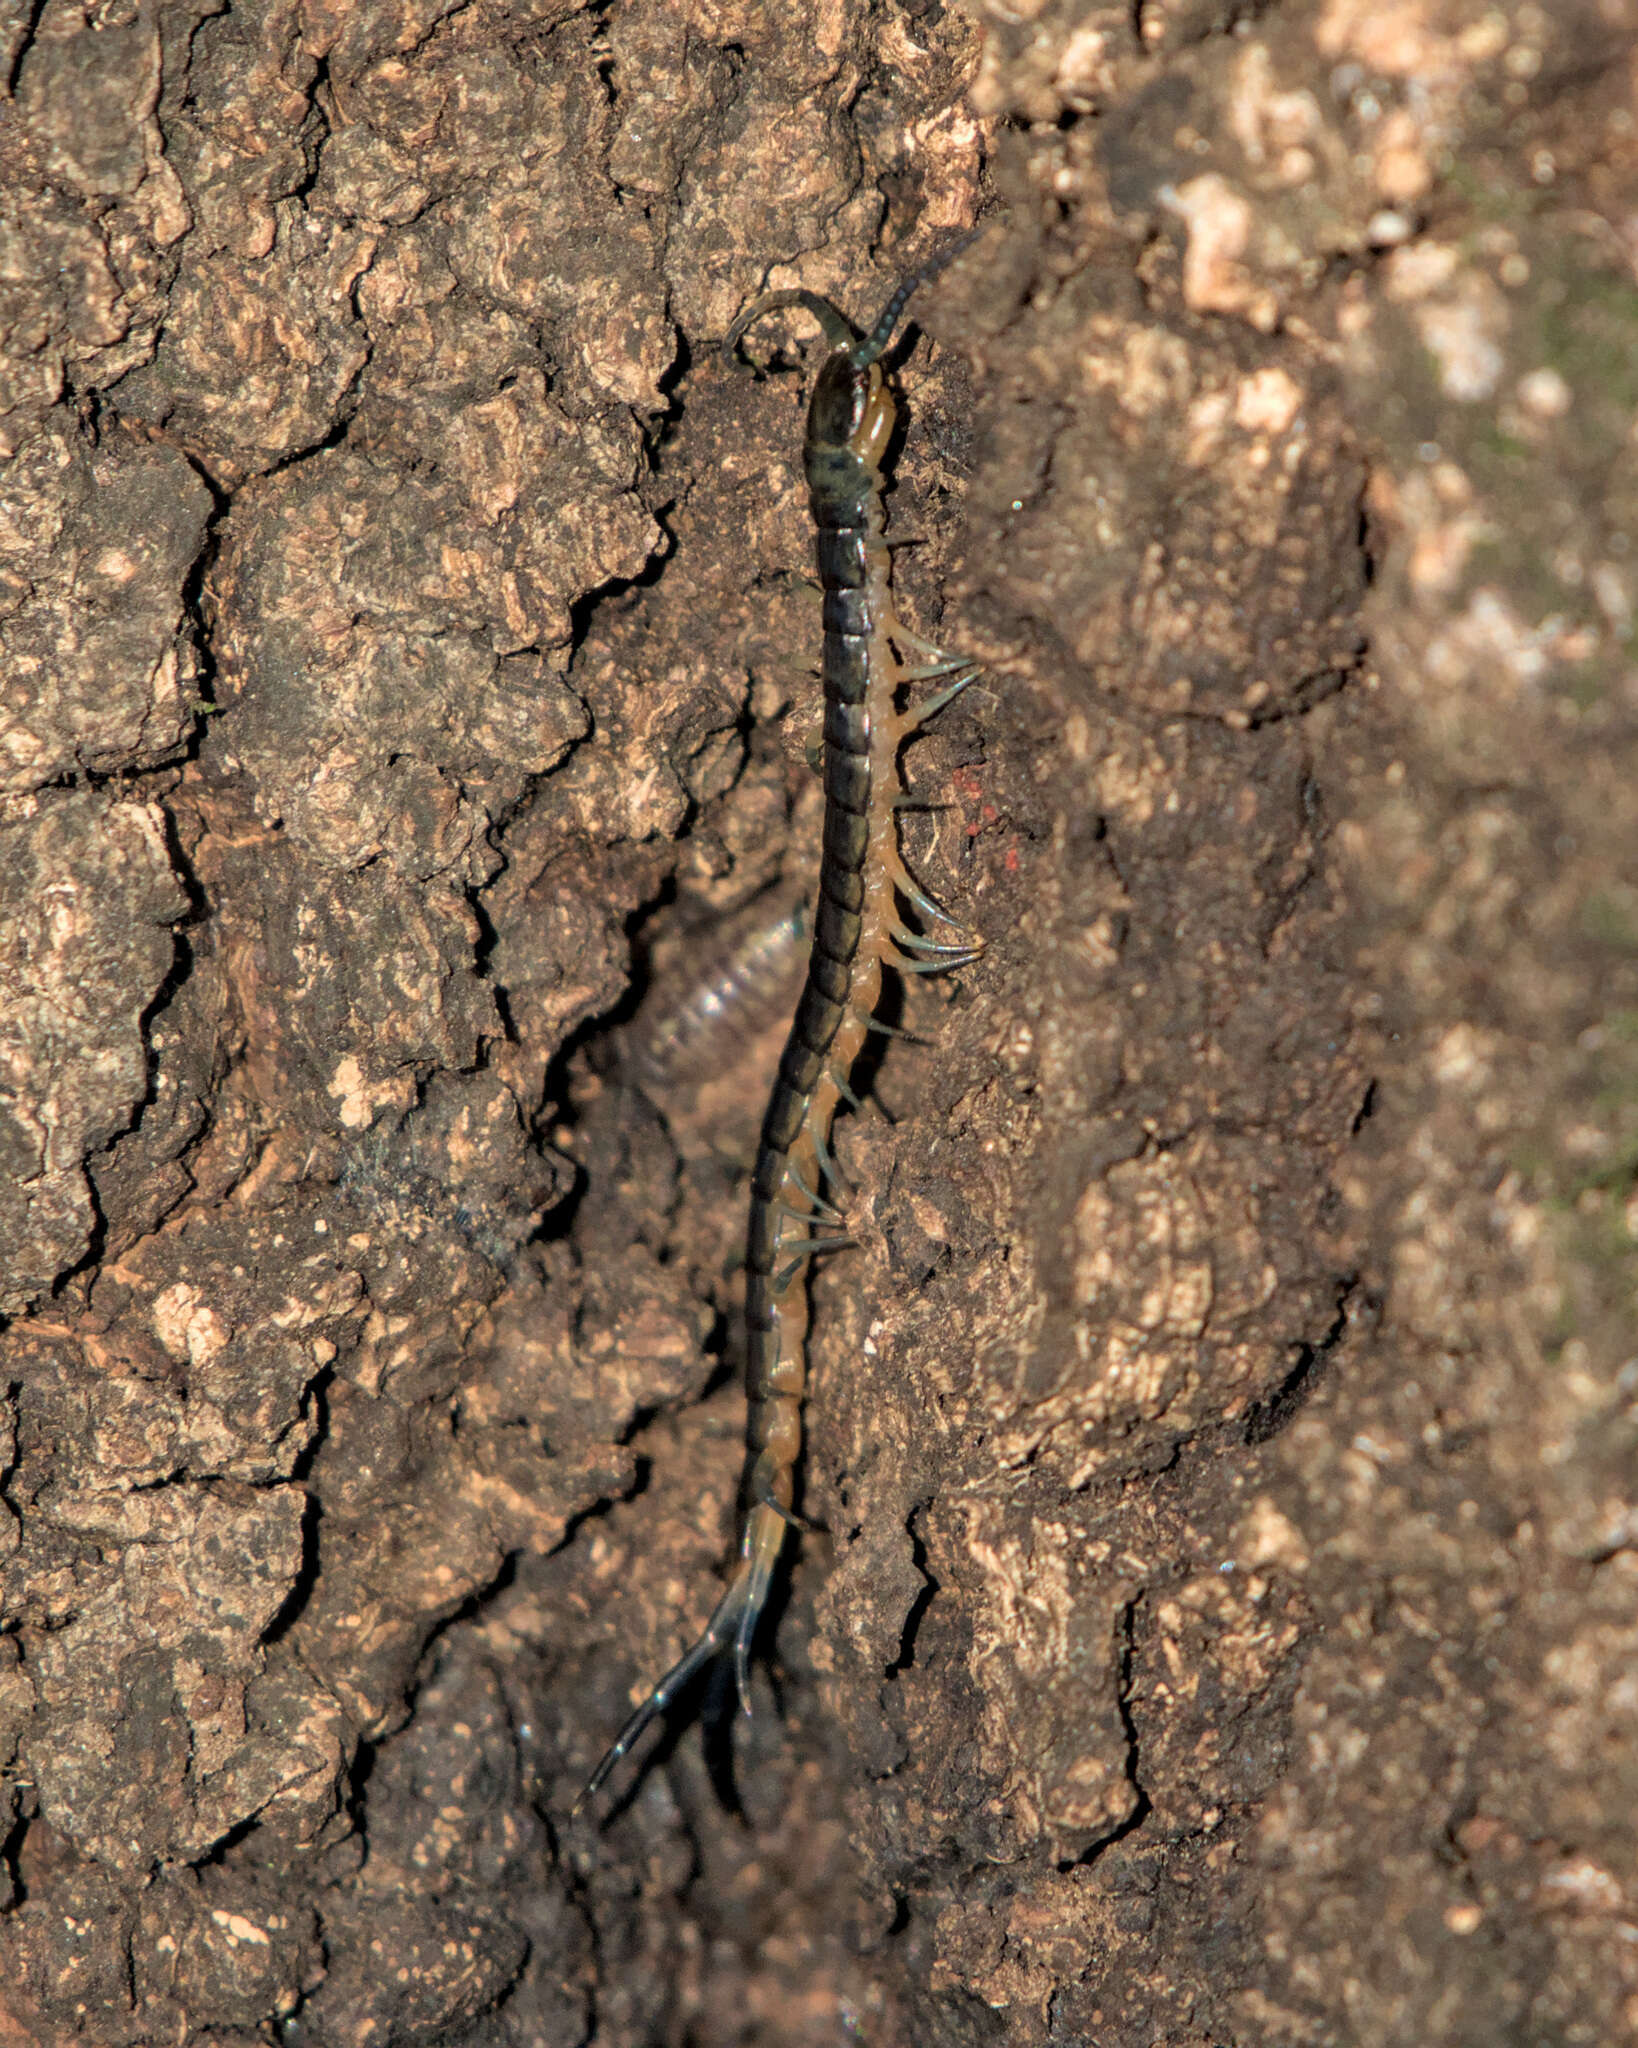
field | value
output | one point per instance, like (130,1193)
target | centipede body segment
(860,931)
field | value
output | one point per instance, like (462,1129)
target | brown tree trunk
(1225,1435)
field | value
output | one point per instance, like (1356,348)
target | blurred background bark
(1225,1624)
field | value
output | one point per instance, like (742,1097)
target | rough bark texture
(1226,1432)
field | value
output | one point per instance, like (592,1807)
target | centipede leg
(826,1158)
(788,1272)
(928,949)
(806,1217)
(905,965)
(814,1245)
(826,1209)
(918,899)
(762,1554)
(788,1516)
(844,1088)
(930,670)
(803,1216)
(918,643)
(881,1030)
(725,1621)
(940,700)
(743,1640)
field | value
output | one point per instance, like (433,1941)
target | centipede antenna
(865,352)
(837,328)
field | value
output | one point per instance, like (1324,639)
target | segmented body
(858,932)
(746,985)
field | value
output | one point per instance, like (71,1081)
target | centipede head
(850,405)
(849,408)
(839,331)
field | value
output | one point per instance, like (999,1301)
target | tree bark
(1222,1441)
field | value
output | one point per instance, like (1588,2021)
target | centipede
(871,918)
